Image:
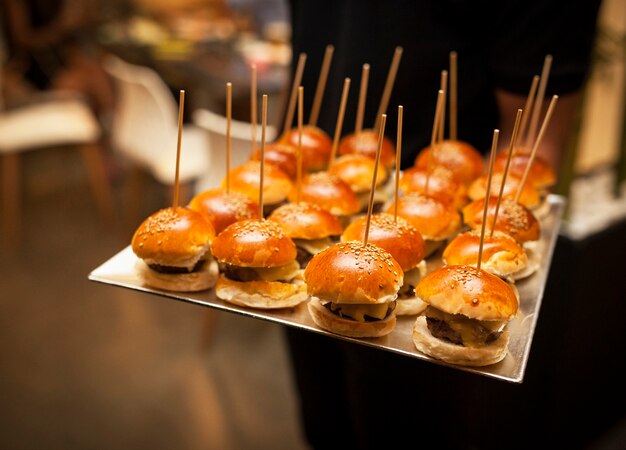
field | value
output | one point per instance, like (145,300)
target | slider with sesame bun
(222,208)
(441,184)
(281,155)
(365,142)
(462,159)
(174,247)
(407,247)
(311,228)
(316,146)
(353,288)
(258,266)
(541,174)
(466,320)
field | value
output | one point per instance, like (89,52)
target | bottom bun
(410,306)
(323,318)
(458,354)
(261,294)
(200,280)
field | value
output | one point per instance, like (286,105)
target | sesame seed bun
(530,196)
(222,209)
(280,154)
(246,179)
(254,243)
(316,146)
(441,184)
(366,143)
(358,170)
(329,192)
(541,174)
(460,157)
(306,221)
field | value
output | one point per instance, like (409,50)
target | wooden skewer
(398,158)
(339,126)
(297,81)
(442,116)
(529,105)
(453,94)
(533,152)
(492,158)
(541,92)
(300,126)
(518,118)
(229,114)
(370,207)
(321,85)
(358,126)
(391,79)
(263,127)
(253,106)
(181,108)
(433,138)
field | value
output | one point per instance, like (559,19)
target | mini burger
(222,209)
(407,247)
(465,162)
(466,319)
(441,184)
(246,179)
(280,154)
(316,146)
(365,143)
(311,228)
(502,255)
(174,245)
(541,174)
(258,266)
(353,288)
(436,220)
(358,170)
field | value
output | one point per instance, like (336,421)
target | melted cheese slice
(358,312)
(280,273)
(313,246)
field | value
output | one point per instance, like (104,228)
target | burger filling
(461,330)
(307,249)
(286,272)
(411,279)
(361,313)
(173,270)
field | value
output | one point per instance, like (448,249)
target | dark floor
(89,366)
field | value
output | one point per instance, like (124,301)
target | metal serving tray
(120,271)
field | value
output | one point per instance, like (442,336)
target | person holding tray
(354,396)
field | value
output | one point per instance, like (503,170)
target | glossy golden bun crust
(328,192)
(358,170)
(502,255)
(347,327)
(541,174)
(260,294)
(306,221)
(465,290)
(254,243)
(177,237)
(441,184)
(460,157)
(530,196)
(399,238)
(222,209)
(247,178)
(350,272)
(281,155)
(316,146)
(366,143)
(434,219)
(514,219)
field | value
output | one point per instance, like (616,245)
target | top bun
(441,184)
(530,196)
(246,179)
(366,143)
(465,290)
(306,221)
(176,237)
(316,146)
(514,218)
(280,154)
(222,209)
(460,157)
(541,174)
(329,192)
(435,219)
(254,243)
(398,237)
(351,272)
(358,170)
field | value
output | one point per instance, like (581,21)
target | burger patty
(177,270)
(303,256)
(476,332)
(237,273)
(336,310)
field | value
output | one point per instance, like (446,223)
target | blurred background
(83,162)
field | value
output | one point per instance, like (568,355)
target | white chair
(49,120)
(145,127)
(240,140)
